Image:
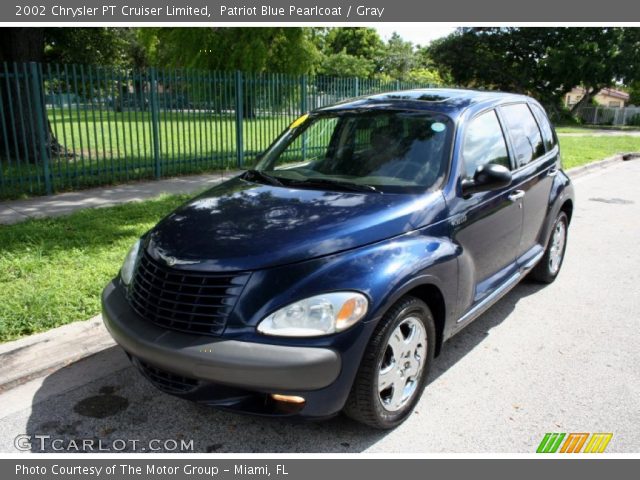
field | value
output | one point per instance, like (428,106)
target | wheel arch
(567,208)
(430,294)
(561,200)
(427,289)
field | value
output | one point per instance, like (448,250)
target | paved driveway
(560,358)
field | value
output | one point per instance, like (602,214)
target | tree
(426,70)
(250,50)
(630,62)
(502,58)
(363,46)
(136,48)
(272,49)
(543,62)
(357,41)
(398,58)
(634,93)
(19,44)
(88,46)
(425,75)
(22,105)
(590,57)
(342,64)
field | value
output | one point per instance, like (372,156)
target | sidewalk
(15,211)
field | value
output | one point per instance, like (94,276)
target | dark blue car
(328,277)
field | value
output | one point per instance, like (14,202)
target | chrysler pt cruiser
(328,277)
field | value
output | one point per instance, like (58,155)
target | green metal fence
(65,127)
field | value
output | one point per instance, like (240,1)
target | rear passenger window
(547,132)
(524,131)
(484,143)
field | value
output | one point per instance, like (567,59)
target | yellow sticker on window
(299,121)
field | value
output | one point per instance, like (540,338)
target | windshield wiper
(261,176)
(327,182)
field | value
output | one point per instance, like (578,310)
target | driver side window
(484,143)
(308,147)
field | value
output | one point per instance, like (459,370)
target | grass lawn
(188,133)
(53,270)
(578,151)
(590,128)
(111,147)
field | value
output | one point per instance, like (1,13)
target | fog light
(288,398)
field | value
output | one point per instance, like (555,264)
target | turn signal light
(288,398)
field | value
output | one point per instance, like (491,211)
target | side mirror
(487,177)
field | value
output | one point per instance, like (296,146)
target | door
(537,157)
(491,222)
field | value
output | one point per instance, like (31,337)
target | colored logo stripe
(550,443)
(574,443)
(598,442)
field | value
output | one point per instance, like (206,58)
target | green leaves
(543,62)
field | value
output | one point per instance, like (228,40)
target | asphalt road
(558,358)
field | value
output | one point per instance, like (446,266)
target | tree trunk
(248,106)
(24,125)
(589,92)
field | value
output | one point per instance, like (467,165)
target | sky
(416,33)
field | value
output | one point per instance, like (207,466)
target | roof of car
(451,101)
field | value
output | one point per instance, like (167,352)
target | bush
(634,121)
(562,116)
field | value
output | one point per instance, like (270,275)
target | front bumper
(231,363)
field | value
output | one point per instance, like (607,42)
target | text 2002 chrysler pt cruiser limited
(328,278)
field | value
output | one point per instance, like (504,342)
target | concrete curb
(582,170)
(43,353)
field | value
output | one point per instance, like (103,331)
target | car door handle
(516,195)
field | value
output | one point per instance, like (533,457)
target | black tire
(543,271)
(364,403)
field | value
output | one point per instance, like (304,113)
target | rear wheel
(395,366)
(549,266)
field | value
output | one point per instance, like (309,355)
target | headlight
(316,316)
(126,272)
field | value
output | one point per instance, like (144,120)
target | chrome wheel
(402,364)
(556,251)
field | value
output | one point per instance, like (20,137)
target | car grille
(166,381)
(184,300)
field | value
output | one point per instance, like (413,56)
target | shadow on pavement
(103,403)
(471,336)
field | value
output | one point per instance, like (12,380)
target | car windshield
(386,151)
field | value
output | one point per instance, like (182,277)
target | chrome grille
(184,300)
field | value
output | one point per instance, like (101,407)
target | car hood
(240,225)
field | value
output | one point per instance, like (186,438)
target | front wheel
(395,366)
(548,268)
